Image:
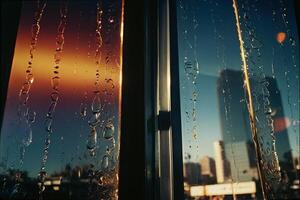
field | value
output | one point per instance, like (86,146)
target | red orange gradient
(77,69)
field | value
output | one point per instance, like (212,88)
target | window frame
(138,175)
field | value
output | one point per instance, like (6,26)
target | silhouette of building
(208,170)
(192,173)
(222,165)
(208,166)
(236,130)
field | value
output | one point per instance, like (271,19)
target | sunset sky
(77,74)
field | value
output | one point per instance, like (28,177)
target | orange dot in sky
(281,37)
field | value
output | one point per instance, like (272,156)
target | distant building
(192,173)
(222,165)
(235,124)
(242,168)
(236,130)
(208,170)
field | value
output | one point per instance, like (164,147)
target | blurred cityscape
(232,172)
(77,183)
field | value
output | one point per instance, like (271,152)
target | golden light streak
(250,100)
(120,85)
(43,62)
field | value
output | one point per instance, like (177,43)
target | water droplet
(83,110)
(60,39)
(55,82)
(51,109)
(47,142)
(28,137)
(25,88)
(31,116)
(105,162)
(57,56)
(54,96)
(292,41)
(112,144)
(92,141)
(48,124)
(109,130)
(35,29)
(96,104)
(30,78)
(111,19)
(94,119)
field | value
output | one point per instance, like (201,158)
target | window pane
(60,134)
(219,132)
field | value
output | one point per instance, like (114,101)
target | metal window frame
(175,104)
(169,112)
(140,151)
(138,120)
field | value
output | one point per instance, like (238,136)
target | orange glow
(280,37)
(77,69)
(280,124)
(74,73)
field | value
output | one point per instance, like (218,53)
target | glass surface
(60,134)
(219,134)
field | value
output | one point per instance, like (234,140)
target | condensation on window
(60,133)
(240,60)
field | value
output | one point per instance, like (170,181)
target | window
(60,132)
(151,99)
(234,136)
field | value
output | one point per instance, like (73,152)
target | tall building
(208,166)
(192,173)
(208,170)
(236,130)
(222,167)
(241,167)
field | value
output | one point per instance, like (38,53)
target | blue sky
(207,33)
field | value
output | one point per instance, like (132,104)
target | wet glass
(60,133)
(239,85)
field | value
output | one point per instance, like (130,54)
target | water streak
(97,104)
(54,96)
(250,101)
(25,113)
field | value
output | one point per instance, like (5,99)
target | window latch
(164,120)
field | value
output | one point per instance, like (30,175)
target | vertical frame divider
(175,105)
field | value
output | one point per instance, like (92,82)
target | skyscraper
(208,166)
(192,173)
(222,168)
(236,130)
(208,169)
